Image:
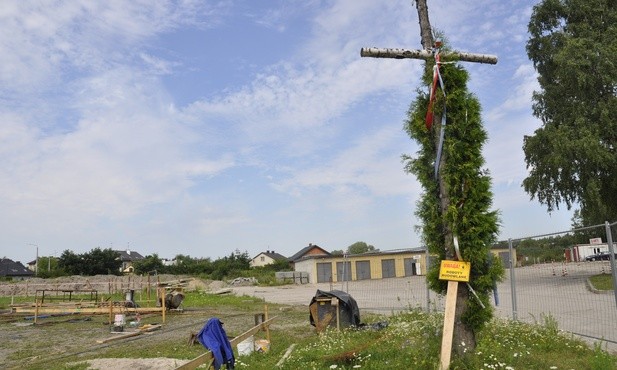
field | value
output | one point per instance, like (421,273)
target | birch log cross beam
(426,55)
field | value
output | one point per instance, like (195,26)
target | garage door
(343,271)
(363,270)
(410,266)
(324,272)
(388,269)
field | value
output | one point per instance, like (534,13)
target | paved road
(549,289)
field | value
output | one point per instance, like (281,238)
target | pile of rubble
(243,281)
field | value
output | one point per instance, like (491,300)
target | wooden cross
(428,53)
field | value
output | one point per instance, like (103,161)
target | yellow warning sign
(454,270)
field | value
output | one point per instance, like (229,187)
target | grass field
(602,282)
(410,340)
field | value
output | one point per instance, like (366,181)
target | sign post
(453,271)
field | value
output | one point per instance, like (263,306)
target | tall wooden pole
(463,337)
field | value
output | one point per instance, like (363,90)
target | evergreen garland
(469,186)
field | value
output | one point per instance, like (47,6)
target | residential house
(312,250)
(266,258)
(15,270)
(31,265)
(128,257)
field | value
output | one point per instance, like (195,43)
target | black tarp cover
(347,303)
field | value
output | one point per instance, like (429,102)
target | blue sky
(200,127)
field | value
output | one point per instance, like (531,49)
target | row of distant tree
(107,262)
(230,266)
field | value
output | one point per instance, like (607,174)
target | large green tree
(149,264)
(572,157)
(70,263)
(96,262)
(360,247)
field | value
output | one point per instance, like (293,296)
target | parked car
(600,257)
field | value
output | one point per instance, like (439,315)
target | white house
(266,258)
(128,257)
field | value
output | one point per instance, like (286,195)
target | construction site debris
(243,281)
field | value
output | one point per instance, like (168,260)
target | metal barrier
(538,291)
(563,291)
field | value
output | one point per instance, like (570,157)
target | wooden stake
(162,294)
(36,308)
(111,312)
(448,325)
(338,315)
(266,319)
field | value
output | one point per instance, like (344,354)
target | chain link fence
(579,291)
(573,285)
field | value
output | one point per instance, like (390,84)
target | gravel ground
(54,341)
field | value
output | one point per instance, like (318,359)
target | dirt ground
(135,364)
(38,347)
(104,284)
(55,340)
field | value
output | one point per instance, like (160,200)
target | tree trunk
(464,337)
(426,34)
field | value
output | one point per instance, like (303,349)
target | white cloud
(126,153)
(507,124)
(524,83)
(41,43)
(370,167)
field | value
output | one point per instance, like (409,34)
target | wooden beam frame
(207,357)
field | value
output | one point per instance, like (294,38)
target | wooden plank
(286,355)
(146,329)
(267,327)
(83,310)
(204,358)
(448,325)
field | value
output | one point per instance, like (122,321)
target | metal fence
(534,292)
(563,290)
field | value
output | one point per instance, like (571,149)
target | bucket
(118,325)
(245,347)
(262,345)
(119,320)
